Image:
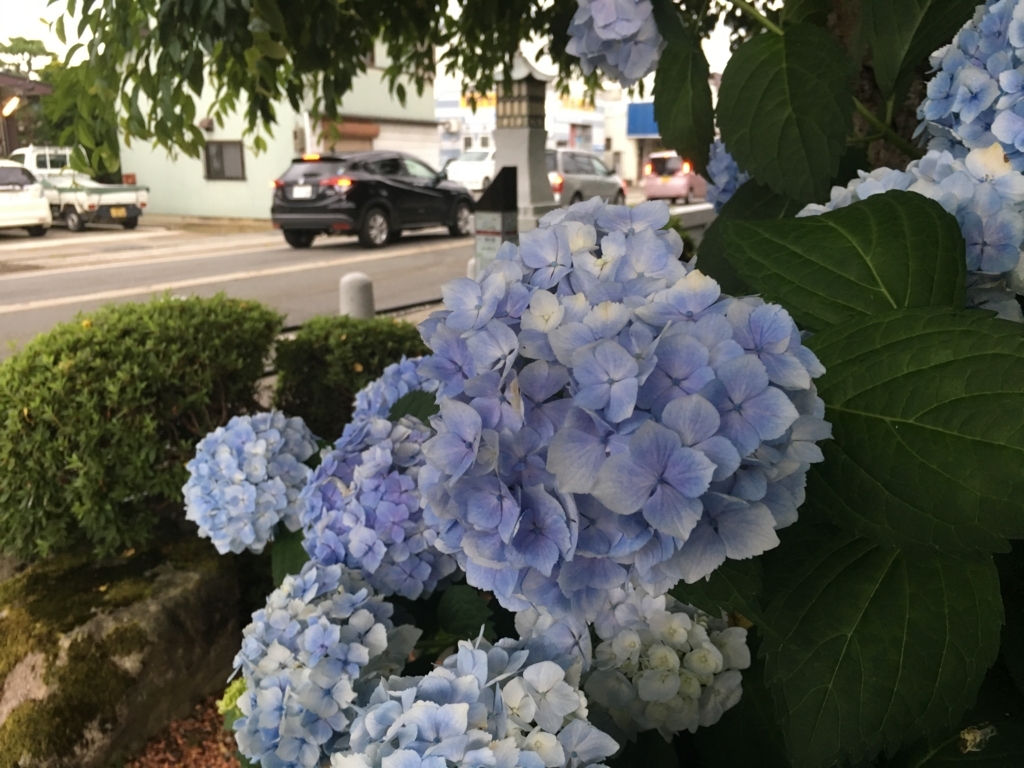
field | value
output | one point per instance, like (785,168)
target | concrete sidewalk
(207,225)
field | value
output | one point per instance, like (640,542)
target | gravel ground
(197,741)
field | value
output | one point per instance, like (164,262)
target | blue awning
(640,122)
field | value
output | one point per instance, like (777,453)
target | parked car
(22,203)
(577,175)
(669,177)
(43,161)
(474,169)
(374,194)
(79,201)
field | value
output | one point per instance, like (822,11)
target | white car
(473,169)
(22,202)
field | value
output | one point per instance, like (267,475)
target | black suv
(375,194)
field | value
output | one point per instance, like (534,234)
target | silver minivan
(576,175)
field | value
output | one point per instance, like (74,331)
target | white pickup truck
(79,200)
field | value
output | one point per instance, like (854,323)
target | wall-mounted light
(206,124)
(12,104)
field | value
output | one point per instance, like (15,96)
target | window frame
(206,160)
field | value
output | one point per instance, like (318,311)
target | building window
(467,143)
(224,161)
(485,142)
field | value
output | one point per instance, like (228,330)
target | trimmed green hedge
(332,358)
(99,416)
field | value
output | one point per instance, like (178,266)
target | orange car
(669,177)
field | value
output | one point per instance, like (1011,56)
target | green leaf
(903,33)
(875,646)
(463,611)
(287,555)
(420,404)
(682,93)
(895,250)
(59,30)
(751,201)
(994,728)
(747,730)
(806,11)
(734,586)
(1011,580)
(85,134)
(927,412)
(785,108)
(269,47)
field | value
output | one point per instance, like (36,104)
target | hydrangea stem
(890,135)
(757,16)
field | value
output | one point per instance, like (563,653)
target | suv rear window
(313,170)
(15,177)
(665,166)
(552,161)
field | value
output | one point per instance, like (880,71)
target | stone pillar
(520,140)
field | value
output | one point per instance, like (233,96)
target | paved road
(48,280)
(43,283)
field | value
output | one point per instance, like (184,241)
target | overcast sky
(32,19)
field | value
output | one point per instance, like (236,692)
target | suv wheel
(299,238)
(463,221)
(376,228)
(619,199)
(577,198)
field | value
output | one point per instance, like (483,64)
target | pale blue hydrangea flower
(609,416)
(362,508)
(516,704)
(725,176)
(987,197)
(322,639)
(398,379)
(618,37)
(246,478)
(662,665)
(976,96)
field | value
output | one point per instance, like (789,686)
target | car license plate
(664,179)
(302,192)
(118,213)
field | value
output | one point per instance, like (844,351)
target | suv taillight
(687,168)
(648,169)
(557,182)
(341,182)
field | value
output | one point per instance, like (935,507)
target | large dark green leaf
(734,586)
(990,735)
(875,646)
(287,555)
(463,612)
(682,93)
(417,403)
(784,110)
(1011,580)
(805,11)
(751,201)
(895,250)
(927,412)
(903,33)
(747,735)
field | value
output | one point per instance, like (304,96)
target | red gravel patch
(197,741)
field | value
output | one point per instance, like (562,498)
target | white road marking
(175,285)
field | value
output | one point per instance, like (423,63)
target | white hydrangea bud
(627,646)
(671,629)
(732,642)
(662,657)
(689,685)
(657,684)
(705,662)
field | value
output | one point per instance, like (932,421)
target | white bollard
(471,268)
(355,296)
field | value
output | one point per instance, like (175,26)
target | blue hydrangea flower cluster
(725,176)
(399,379)
(246,477)
(987,197)
(606,414)
(322,639)
(976,96)
(512,705)
(664,666)
(618,37)
(362,508)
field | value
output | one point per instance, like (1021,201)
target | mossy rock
(96,658)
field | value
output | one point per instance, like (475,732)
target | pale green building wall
(177,185)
